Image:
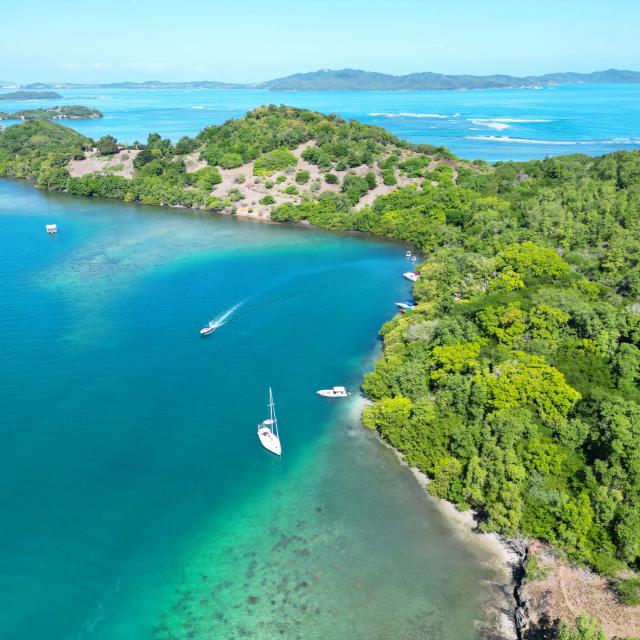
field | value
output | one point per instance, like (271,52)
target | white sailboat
(268,430)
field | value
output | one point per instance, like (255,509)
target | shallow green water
(137,502)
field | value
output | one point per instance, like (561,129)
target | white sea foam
(491,124)
(626,141)
(411,115)
(222,318)
(518,120)
(198,107)
(526,140)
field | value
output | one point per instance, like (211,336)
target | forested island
(359,80)
(30,95)
(71,112)
(513,383)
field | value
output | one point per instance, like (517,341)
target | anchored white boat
(413,258)
(334,392)
(268,430)
(405,306)
(408,254)
(411,275)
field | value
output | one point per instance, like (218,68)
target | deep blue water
(136,500)
(502,124)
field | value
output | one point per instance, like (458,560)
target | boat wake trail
(223,317)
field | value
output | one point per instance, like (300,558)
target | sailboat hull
(269,441)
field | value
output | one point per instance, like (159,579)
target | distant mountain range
(358,80)
(353,79)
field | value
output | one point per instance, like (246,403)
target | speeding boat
(404,306)
(209,329)
(411,275)
(334,392)
(268,430)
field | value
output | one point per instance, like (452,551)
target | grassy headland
(513,384)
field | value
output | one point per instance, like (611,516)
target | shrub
(206,178)
(331,178)
(302,177)
(629,591)
(107,146)
(277,160)
(268,184)
(371,179)
(144,157)
(290,190)
(389,177)
(235,194)
(535,570)
(280,179)
(185,145)
(416,167)
(268,199)
(230,160)
(354,187)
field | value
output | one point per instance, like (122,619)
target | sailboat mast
(272,413)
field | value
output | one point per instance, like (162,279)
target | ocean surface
(136,500)
(492,124)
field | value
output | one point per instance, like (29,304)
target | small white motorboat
(209,329)
(413,258)
(411,275)
(268,430)
(334,392)
(51,228)
(408,254)
(405,306)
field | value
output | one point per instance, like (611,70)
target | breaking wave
(508,139)
(412,115)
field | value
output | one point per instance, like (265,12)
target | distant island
(359,80)
(71,112)
(356,79)
(30,95)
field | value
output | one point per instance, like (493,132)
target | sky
(257,40)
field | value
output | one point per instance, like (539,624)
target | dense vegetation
(513,384)
(266,137)
(71,112)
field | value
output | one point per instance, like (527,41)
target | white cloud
(149,65)
(86,65)
(164,65)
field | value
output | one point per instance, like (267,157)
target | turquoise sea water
(504,124)
(137,502)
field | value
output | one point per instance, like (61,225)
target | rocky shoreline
(530,607)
